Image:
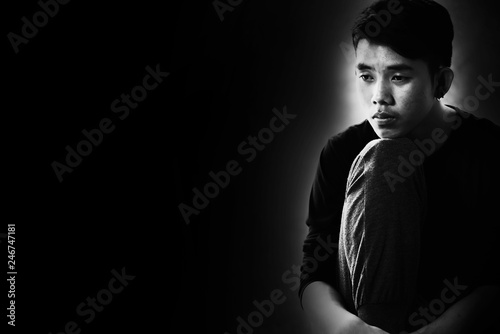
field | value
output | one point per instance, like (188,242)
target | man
(410,195)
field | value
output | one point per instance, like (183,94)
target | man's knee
(385,155)
(387,149)
(392,160)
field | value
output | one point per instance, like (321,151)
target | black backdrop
(119,207)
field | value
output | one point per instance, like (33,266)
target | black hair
(415,29)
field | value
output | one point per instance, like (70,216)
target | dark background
(119,207)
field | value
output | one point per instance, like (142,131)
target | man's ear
(442,81)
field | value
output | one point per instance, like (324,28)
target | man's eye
(399,78)
(366,77)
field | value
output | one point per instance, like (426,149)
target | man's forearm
(469,315)
(324,308)
(327,314)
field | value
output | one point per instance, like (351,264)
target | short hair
(418,29)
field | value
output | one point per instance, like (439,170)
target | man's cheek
(403,96)
(366,95)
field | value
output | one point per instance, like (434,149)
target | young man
(403,208)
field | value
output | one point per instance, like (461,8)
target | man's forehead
(372,55)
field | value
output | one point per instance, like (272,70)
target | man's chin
(387,133)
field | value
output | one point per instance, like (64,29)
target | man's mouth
(384,117)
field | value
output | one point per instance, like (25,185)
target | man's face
(396,92)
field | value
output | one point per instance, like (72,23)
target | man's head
(403,54)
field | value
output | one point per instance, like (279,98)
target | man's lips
(384,118)
(384,115)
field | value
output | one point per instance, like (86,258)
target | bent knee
(387,149)
(381,156)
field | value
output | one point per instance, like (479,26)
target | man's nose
(382,94)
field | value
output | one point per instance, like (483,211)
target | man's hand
(358,326)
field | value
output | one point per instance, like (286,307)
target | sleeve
(320,248)
(485,247)
(479,261)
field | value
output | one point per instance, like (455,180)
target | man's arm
(473,314)
(327,315)
(321,302)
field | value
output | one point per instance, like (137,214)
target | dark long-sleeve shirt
(459,239)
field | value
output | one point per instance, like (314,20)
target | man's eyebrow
(363,66)
(400,67)
(394,67)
